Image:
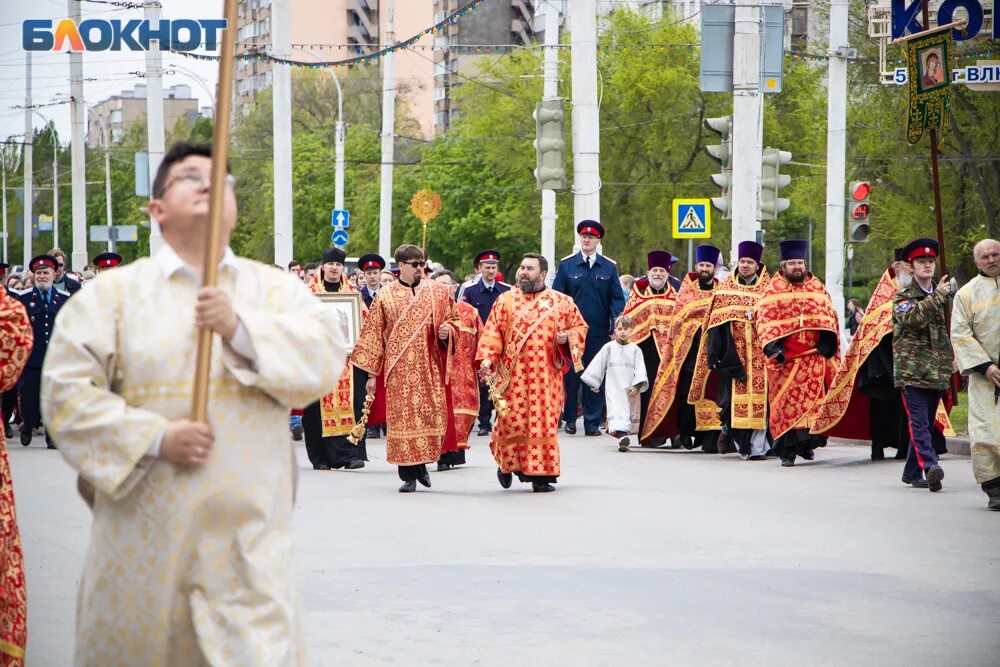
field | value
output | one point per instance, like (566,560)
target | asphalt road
(643,558)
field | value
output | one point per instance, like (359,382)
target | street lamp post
(55,182)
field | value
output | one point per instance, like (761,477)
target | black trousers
(336,451)
(453,458)
(536,479)
(29,406)
(485,408)
(8,401)
(412,473)
(651,359)
(593,401)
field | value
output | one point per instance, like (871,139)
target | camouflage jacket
(921,348)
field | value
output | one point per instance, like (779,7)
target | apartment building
(114,116)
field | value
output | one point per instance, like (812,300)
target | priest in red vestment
(800,335)
(16,338)
(533,336)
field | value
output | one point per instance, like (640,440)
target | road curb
(957,446)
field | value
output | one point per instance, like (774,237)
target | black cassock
(651,359)
(686,420)
(334,451)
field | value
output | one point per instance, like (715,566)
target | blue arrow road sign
(340,218)
(339,237)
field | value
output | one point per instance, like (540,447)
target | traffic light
(723,154)
(771,182)
(859,210)
(550,163)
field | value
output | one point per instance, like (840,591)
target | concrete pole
(338,141)
(586,114)
(836,154)
(154,113)
(78,151)
(107,189)
(55,188)
(29,140)
(3,167)
(388,136)
(551,92)
(748,116)
(282,123)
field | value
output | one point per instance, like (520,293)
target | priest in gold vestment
(800,335)
(975,337)
(405,338)
(190,559)
(16,339)
(533,336)
(650,304)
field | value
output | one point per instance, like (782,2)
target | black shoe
(787,463)
(686,442)
(900,454)
(25,438)
(297,432)
(505,478)
(571,428)
(49,444)
(542,487)
(373,433)
(878,454)
(356,464)
(920,483)
(425,479)
(484,431)
(8,431)
(408,487)
(322,466)
(591,433)
(623,444)
(444,466)
(934,476)
(807,453)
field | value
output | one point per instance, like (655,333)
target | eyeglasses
(416,264)
(60,265)
(197,179)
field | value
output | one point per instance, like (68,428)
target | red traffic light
(861,190)
(860,211)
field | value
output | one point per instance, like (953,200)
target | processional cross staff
(220,153)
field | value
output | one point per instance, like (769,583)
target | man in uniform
(42,302)
(371,266)
(107,260)
(670,413)
(591,280)
(329,421)
(800,335)
(533,335)
(733,351)
(922,358)
(650,304)
(975,335)
(63,281)
(481,295)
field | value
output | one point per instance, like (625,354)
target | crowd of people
(722,358)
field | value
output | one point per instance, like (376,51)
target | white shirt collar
(171,263)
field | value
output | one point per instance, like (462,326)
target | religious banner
(928,76)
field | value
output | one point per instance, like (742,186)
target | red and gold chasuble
(400,339)
(337,407)
(462,381)
(519,340)
(16,339)
(735,304)
(651,314)
(845,412)
(797,313)
(690,315)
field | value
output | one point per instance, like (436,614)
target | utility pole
(748,117)
(107,188)
(154,111)
(836,153)
(29,140)
(282,124)
(388,135)
(3,167)
(586,114)
(77,150)
(55,188)
(551,92)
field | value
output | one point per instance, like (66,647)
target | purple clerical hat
(751,250)
(793,249)
(707,253)
(658,258)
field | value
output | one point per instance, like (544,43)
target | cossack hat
(371,261)
(707,253)
(793,249)
(39,261)
(489,255)
(920,249)
(107,260)
(592,227)
(751,250)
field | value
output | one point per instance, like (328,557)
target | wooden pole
(220,151)
(935,177)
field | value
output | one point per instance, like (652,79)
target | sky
(109,70)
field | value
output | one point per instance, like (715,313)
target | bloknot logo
(116,34)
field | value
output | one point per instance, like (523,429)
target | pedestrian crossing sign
(692,219)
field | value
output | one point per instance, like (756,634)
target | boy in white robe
(620,365)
